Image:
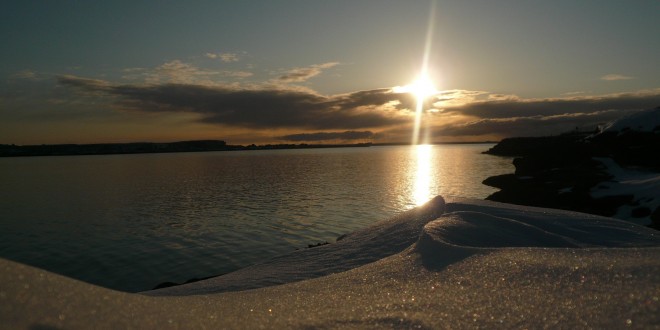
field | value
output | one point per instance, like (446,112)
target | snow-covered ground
(460,263)
(643,185)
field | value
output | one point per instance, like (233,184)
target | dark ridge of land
(10,150)
(560,171)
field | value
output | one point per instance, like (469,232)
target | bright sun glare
(422,87)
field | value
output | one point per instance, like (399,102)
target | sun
(422,87)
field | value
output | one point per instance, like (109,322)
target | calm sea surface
(129,222)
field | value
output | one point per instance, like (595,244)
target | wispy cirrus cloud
(30,76)
(237,74)
(180,72)
(224,57)
(25,74)
(304,73)
(175,71)
(615,77)
(93,85)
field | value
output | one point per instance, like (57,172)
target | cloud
(536,117)
(237,74)
(304,74)
(266,107)
(25,74)
(567,94)
(224,57)
(380,97)
(614,77)
(529,126)
(382,112)
(517,107)
(30,76)
(328,136)
(174,71)
(179,72)
(84,83)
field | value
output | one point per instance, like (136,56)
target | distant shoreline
(7,150)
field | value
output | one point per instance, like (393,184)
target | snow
(643,185)
(458,263)
(643,121)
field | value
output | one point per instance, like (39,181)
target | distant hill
(111,148)
(7,150)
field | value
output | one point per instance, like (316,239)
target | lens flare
(423,86)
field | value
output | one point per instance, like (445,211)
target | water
(129,222)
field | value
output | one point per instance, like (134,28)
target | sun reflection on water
(421,192)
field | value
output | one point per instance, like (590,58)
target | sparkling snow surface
(463,264)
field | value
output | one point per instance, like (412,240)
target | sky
(315,71)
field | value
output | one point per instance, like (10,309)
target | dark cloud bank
(355,116)
(254,108)
(516,117)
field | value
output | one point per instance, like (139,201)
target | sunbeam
(423,87)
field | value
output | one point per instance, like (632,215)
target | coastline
(454,262)
(614,172)
(149,148)
(7,150)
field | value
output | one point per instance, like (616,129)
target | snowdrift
(460,263)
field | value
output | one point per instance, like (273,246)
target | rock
(641,212)
(522,146)
(655,218)
(561,172)
(165,285)
(309,246)
(607,206)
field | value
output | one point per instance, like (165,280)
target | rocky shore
(579,171)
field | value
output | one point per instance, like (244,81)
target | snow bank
(463,263)
(644,186)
